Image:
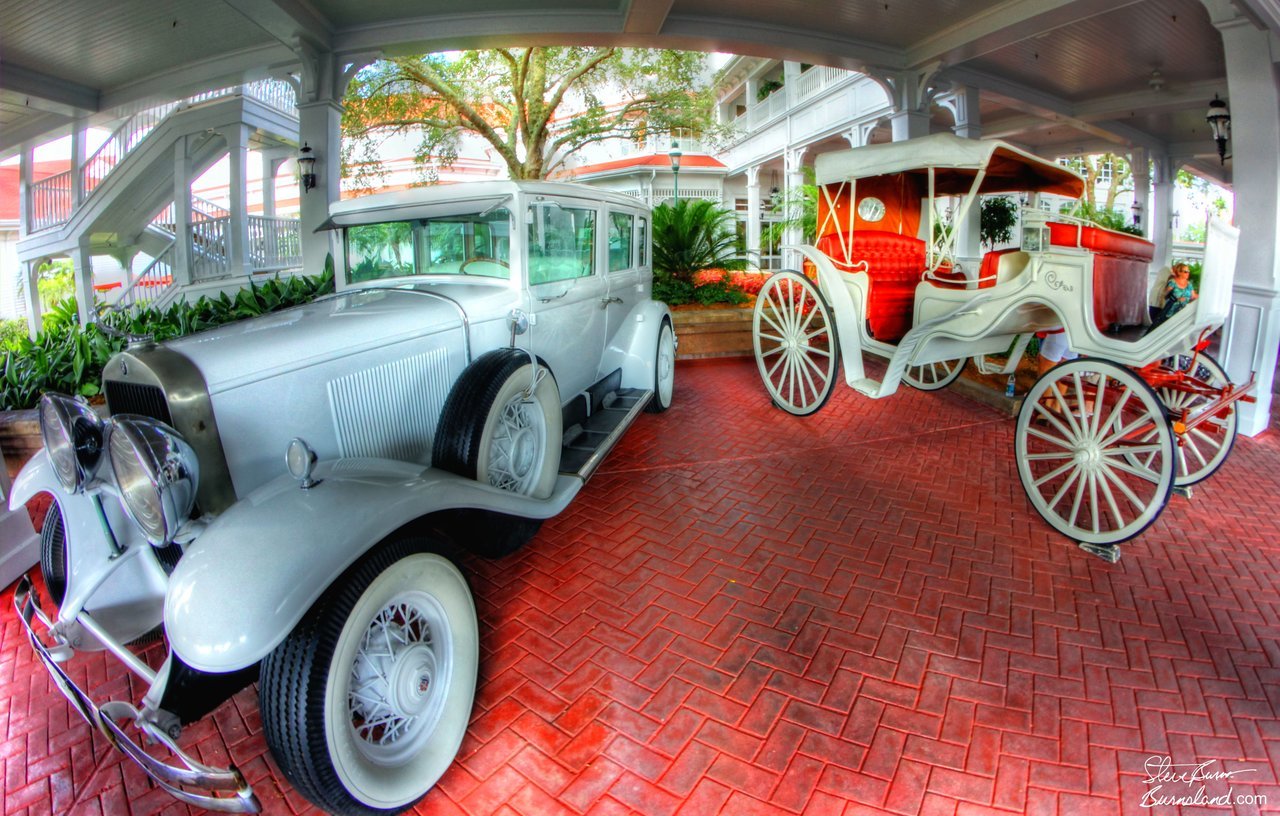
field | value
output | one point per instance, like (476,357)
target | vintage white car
(279,496)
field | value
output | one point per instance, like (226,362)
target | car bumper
(215,789)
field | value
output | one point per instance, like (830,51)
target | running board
(588,443)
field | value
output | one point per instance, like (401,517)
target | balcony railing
(208,247)
(150,285)
(120,143)
(274,243)
(816,80)
(51,201)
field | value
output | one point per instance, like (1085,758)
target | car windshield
(472,244)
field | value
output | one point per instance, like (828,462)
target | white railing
(120,143)
(271,92)
(50,201)
(208,247)
(663,193)
(151,283)
(770,108)
(274,243)
(816,80)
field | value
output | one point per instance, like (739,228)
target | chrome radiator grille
(135,398)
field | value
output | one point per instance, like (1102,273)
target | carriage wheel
(934,376)
(1204,448)
(1095,451)
(795,343)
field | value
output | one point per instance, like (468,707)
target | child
(1178,292)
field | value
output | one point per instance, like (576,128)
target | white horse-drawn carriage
(1102,440)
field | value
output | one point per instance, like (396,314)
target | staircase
(122,196)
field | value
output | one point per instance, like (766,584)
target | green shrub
(997,218)
(68,358)
(693,235)
(11,331)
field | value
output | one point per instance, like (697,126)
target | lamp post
(1219,119)
(307,167)
(675,155)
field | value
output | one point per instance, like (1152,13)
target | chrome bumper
(236,795)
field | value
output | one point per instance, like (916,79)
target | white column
(967,118)
(319,124)
(82,262)
(1160,226)
(910,124)
(77,164)
(183,259)
(1252,333)
(269,166)
(753,213)
(794,161)
(1141,178)
(31,291)
(25,164)
(238,262)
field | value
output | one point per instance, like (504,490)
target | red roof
(9,176)
(660,160)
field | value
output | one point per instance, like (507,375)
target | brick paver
(856,612)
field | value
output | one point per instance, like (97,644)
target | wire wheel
(1201,450)
(933,376)
(519,445)
(795,343)
(1095,451)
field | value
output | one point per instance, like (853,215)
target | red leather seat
(1119,271)
(894,265)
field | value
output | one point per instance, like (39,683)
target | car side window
(620,238)
(642,239)
(377,251)
(561,243)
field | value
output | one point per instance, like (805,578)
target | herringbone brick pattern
(852,613)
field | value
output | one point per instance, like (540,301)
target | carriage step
(1107,552)
(867,386)
(588,442)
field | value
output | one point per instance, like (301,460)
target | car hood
(247,351)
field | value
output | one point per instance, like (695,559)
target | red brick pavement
(852,613)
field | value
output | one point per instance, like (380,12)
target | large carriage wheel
(1095,452)
(795,343)
(933,376)
(1201,450)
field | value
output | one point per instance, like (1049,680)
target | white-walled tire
(1094,451)
(664,370)
(365,703)
(492,432)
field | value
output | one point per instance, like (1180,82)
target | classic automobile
(279,496)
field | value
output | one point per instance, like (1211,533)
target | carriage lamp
(675,155)
(307,167)
(1219,119)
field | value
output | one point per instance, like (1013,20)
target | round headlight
(72,435)
(157,473)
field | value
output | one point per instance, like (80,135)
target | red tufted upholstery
(1119,271)
(894,264)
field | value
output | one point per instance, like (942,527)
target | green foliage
(55,282)
(690,236)
(798,207)
(674,292)
(11,331)
(1105,218)
(767,88)
(999,215)
(68,358)
(534,106)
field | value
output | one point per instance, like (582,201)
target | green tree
(693,235)
(534,106)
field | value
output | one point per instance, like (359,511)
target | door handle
(604,302)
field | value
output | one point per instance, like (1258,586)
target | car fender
(634,346)
(124,595)
(243,585)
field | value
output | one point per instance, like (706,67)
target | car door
(625,260)
(567,291)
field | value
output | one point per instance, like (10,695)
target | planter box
(19,437)
(713,331)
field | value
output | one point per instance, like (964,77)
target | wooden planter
(19,437)
(713,331)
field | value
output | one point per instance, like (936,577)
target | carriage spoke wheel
(933,376)
(795,343)
(1095,451)
(1201,450)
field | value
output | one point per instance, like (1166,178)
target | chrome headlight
(72,435)
(157,473)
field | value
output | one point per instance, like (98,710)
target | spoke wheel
(1095,451)
(795,343)
(934,376)
(365,703)
(1201,450)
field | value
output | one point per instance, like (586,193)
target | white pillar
(25,180)
(793,235)
(238,262)
(753,213)
(31,291)
(1160,227)
(82,262)
(77,164)
(1139,166)
(319,124)
(910,124)
(269,166)
(1252,333)
(183,258)
(967,118)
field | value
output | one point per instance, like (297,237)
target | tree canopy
(534,106)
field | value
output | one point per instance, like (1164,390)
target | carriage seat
(1119,271)
(894,264)
(1001,265)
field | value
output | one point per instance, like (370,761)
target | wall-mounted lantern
(307,167)
(1219,119)
(675,155)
